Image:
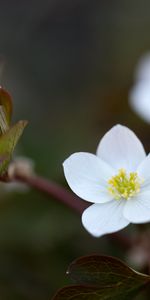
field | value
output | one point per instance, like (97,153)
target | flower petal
(100,219)
(121,148)
(144,172)
(87,176)
(137,209)
(139,98)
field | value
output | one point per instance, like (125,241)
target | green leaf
(6,103)
(8,142)
(102,278)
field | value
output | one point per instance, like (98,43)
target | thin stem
(68,198)
(55,190)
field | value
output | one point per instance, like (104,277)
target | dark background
(69,66)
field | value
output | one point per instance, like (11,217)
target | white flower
(116,180)
(139,96)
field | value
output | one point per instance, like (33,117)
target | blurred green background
(69,67)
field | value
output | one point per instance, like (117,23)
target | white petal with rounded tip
(100,219)
(121,148)
(137,209)
(87,176)
(139,99)
(143,171)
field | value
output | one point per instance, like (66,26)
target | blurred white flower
(142,71)
(139,96)
(19,166)
(116,180)
(138,254)
(22,166)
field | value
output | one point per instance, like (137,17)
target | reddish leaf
(102,278)
(6,103)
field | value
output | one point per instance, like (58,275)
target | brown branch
(68,198)
(54,190)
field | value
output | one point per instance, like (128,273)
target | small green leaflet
(8,142)
(98,277)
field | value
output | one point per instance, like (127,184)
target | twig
(54,190)
(72,201)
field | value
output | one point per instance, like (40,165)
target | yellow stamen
(124,185)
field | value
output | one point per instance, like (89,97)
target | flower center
(124,185)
